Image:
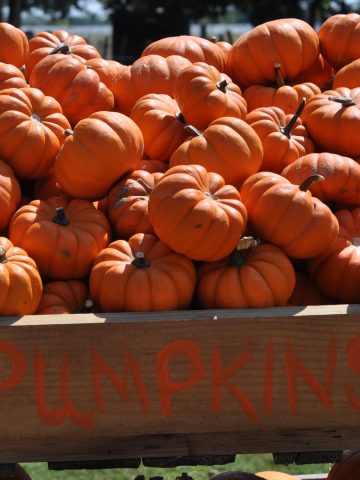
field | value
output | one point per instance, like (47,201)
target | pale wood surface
(285,379)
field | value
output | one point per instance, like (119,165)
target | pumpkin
(11,77)
(153,165)
(31,131)
(336,271)
(348,76)
(149,74)
(161,123)
(20,281)
(228,146)
(195,213)
(77,88)
(283,137)
(47,187)
(332,119)
(338,37)
(287,215)
(254,275)
(205,94)
(14,45)
(286,97)
(10,194)
(63,296)
(97,153)
(289,41)
(62,236)
(16,472)
(127,204)
(272,475)
(194,49)
(341,174)
(141,274)
(59,42)
(305,292)
(321,73)
(106,69)
(348,468)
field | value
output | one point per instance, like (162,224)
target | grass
(245,463)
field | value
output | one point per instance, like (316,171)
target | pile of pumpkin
(204,175)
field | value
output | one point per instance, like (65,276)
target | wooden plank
(314,476)
(179,384)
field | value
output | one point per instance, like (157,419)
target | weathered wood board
(177,384)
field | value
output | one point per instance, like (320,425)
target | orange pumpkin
(228,146)
(63,236)
(63,296)
(152,165)
(47,187)
(348,76)
(11,77)
(272,475)
(195,213)
(348,468)
(127,204)
(284,138)
(321,73)
(305,292)
(20,281)
(254,275)
(287,215)
(205,94)
(162,124)
(10,194)
(31,131)
(141,274)
(14,45)
(289,41)
(97,153)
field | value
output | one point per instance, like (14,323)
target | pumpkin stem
(222,85)
(62,48)
(88,305)
(180,117)
(287,129)
(313,178)
(213,39)
(3,258)
(68,132)
(60,217)
(194,131)
(345,101)
(279,79)
(243,249)
(140,260)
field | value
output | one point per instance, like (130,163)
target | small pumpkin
(63,296)
(21,284)
(195,213)
(305,292)
(14,45)
(348,76)
(10,194)
(141,274)
(11,77)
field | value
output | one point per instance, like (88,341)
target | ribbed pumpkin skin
(321,73)
(305,292)
(62,296)
(20,281)
(337,272)
(196,214)
(31,131)
(348,76)
(127,204)
(348,468)
(41,45)
(228,146)
(11,77)
(77,88)
(195,49)
(61,252)
(289,41)
(102,148)
(265,279)
(339,39)
(116,284)
(332,126)
(14,45)
(159,118)
(342,177)
(279,149)
(281,214)
(202,98)
(10,194)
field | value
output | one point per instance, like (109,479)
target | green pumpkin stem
(3,258)
(194,131)
(222,85)
(287,129)
(345,101)
(313,178)
(244,247)
(62,48)
(60,217)
(279,79)
(140,260)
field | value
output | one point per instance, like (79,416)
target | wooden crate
(179,384)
